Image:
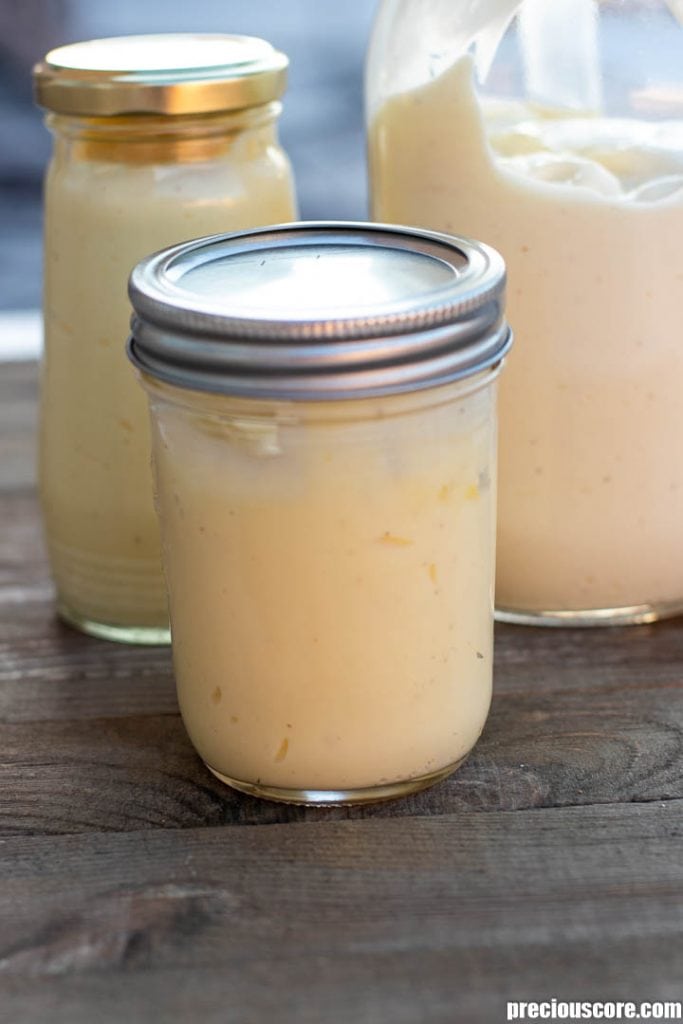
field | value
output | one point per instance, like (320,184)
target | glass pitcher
(553,130)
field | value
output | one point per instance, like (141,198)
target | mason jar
(554,131)
(323,409)
(157,139)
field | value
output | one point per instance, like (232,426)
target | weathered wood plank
(18,420)
(50,672)
(23,569)
(462,986)
(431,920)
(140,771)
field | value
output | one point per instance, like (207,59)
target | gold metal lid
(180,73)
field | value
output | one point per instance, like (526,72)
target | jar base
(332,797)
(632,615)
(140,635)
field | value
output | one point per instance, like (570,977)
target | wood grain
(417,921)
(138,770)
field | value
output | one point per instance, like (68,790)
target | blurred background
(321,126)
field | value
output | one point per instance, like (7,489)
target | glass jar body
(117,189)
(330,573)
(567,155)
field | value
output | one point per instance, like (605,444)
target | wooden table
(134,887)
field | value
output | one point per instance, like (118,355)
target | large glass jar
(323,408)
(180,141)
(553,129)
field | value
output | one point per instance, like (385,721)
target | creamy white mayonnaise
(330,576)
(106,208)
(588,214)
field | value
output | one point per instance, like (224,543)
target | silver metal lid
(318,311)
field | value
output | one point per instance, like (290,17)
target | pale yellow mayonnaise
(588,214)
(330,575)
(103,214)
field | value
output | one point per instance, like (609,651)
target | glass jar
(554,131)
(179,142)
(323,409)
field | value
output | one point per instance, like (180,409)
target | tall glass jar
(323,408)
(179,141)
(553,129)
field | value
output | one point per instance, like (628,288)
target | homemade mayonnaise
(120,187)
(588,214)
(323,433)
(102,217)
(330,589)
